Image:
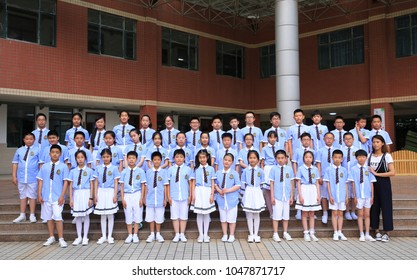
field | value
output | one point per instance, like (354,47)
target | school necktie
(136,146)
(130,177)
(377,132)
(109,147)
(340,138)
(337,175)
(51,176)
(98,139)
(234,137)
(276,131)
(252,177)
(79,178)
(157,149)
(299,131)
(328,155)
(317,132)
(224,180)
(144,136)
(155,178)
(40,137)
(25,157)
(310,179)
(361,175)
(218,137)
(273,149)
(169,137)
(123,131)
(194,138)
(177,176)
(105,174)
(281,176)
(348,155)
(76,129)
(227,150)
(205,174)
(250,130)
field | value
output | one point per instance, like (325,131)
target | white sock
(206,223)
(32,214)
(200,224)
(110,219)
(79,226)
(256,223)
(22,214)
(249,218)
(325,213)
(103,223)
(86,225)
(366,234)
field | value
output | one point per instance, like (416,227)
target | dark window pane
(272,65)
(48,6)
(341,54)
(166,34)
(403,22)
(2,19)
(403,43)
(93,39)
(130,25)
(22,25)
(47,32)
(324,39)
(341,35)
(130,45)
(111,42)
(193,59)
(358,54)
(358,31)
(165,52)
(229,65)
(414,34)
(27,4)
(324,57)
(111,20)
(93,16)
(20,119)
(414,20)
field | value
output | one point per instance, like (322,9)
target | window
(229,60)
(267,55)
(20,120)
(179,49)
(60,120)
(406,27)
(28,20)
(111,35)
(340,48)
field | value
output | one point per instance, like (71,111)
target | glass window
(341,48)
(179,49)
(229,60)
(28,20)
(406,35)
(267,63)
(20,120)
(111,35)
(60,120)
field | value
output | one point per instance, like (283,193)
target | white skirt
(310,199)
(202,203)
(105,205)
(253,200)
(81,199)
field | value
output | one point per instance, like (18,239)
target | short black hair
(274,114)
(56,146)
(316,112)
(40,115)
(53,133)
(195,118)
(132,153)
(227,134)
(217,117)
(272,133)
(361,153)
(347,134)
(298,111)
(77,114)
(179,152)
(156,154)
(337,152)
(280,152)
(79,133)
(339,118)
(360,117)
(233,117)
(376,117)
(305,134)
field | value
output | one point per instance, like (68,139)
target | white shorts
(51,211)
(155,214)
(341,206)
(281,210)
(229,215)
(133,213)
(323,191)
(28,190)
(179,210)
(363,203)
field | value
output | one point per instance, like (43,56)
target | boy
(235,131)
(363,190)
(132,181)
(281,180)
(324,160)
(41,132)
(154,191)
(179,194)
(227,148)
(338,132)
(189,155)
(317,130)
(360,134)
(216,134)
(267,162)
(335,178)
(52,186)
(79,140)
(376,124)
(193,136)
(294,132)
(137,147)
(25,167)
(349,160)
(53,139)
(275,120)
(252,129)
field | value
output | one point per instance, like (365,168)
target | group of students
(198,170)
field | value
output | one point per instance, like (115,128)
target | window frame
(271,58)
(220,59)
(412,41)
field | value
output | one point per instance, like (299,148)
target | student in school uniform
(294,132)
(146,130)
(317,130)
(25,167)
(205,140)
(252,129)
(349,160)
(41,132)
(275,120)
(189,156)
(235,131)
(76,126)
(136,147)
(267,163)
(52,186)
(79,140)
(243,154)
(97,138)
(338,132)
(216,133)
(169,134)
(360,133)
(376,124)
(193,135)
(122,130)
(53,139)
(227,149)
(117,154)
(157,147)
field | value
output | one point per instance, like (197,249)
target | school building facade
(199,58)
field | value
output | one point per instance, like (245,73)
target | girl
(97,138)
(157,147)
(169,133)
(243,154)
(122,130)
(181,141)
(268,161)
(146,131)
(382,166)
(253,201)
(203,193)
(227,197)
(137,147)
(117,155)
(76,126)
(308,199)
(205,140)
(81,184)
(105,195)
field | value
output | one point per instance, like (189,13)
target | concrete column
(287,60)
(176,119)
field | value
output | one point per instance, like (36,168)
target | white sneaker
(348,216)
(313,237)
(362,238)
(77,241)
(335,236)
(307,237)
(110,240)
(51,240)
(183,238)
(370,238)
(200,239)
(378,236)
(385,238)
(135,238)
(298,216)
(353,215)
(159,238)
(276,238)
(224,238)
(287,236)
(176,238)
(231,239)
(151,238)
(19,219)
(44,221)
(62,243)
(85,241)
(250,238)
(101,240)
(74,221)
(257,239)
(206,239)
(315,217)
(342,236)
(129,239)
(324,219)
(32,219)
